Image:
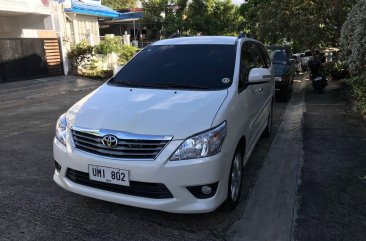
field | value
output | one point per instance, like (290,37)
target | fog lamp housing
(203,191)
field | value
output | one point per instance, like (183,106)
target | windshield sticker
(225,80)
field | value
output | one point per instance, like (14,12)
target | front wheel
(235,179)
(267,132)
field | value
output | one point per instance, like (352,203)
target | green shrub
(127,52)
(353,38)
(338,69)
(80,53)
(357,86)
(98,74)
(109,45)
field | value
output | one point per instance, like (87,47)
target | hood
(179,113)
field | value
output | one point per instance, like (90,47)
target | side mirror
(259,75)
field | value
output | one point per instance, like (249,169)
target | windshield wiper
(120,82)
(163,85)
(178,86)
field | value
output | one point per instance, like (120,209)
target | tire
(235,181)
(267,132)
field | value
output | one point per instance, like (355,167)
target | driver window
(246,65)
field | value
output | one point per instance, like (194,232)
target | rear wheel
(235,179)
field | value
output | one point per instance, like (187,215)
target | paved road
(332,194)
(32,207)
(269,214)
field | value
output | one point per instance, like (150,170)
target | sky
(238,1)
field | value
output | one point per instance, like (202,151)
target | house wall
(25,6)
(24,25)
(23,18)
(141,30)
(86,28)
(72,29)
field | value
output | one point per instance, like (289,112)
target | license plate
(318,78)
(109,175)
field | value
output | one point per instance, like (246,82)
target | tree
(208,17)
(120,4)
(153,17)
(213,17)
(306,23)
(353,38)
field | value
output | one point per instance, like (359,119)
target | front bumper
(175,175)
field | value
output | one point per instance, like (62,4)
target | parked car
(304,61)
(297,59)
(284,69)
(172,129)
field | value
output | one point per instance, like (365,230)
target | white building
(24,18)
(29,47)
(36,35)
(78,21)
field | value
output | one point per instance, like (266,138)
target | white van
(172,129)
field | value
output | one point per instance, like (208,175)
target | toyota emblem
(110,141)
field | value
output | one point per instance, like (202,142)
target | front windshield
(208,67)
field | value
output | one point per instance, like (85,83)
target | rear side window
(308,54)
(267,60)
(265,55)
(258,56)
(246,65)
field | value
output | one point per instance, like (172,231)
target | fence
(27,58)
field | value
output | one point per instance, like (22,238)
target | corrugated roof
(130,15)
(92,9)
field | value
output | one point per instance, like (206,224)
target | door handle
(260,90)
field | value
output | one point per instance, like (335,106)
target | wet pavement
(33,207)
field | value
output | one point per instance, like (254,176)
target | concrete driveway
(303,183)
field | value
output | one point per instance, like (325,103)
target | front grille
(140,189)
(126,148)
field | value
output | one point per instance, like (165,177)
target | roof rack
(245,35)
(179,35)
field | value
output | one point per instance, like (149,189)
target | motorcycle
(317,76)
(318,82)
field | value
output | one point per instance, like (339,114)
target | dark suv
(284,69)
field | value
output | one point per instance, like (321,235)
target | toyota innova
(172,129)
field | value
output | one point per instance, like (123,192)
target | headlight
(61,127)
(278,78)
(201,145)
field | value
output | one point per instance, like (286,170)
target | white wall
(24,6)
(86,28)
(24,25)
(10,27)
